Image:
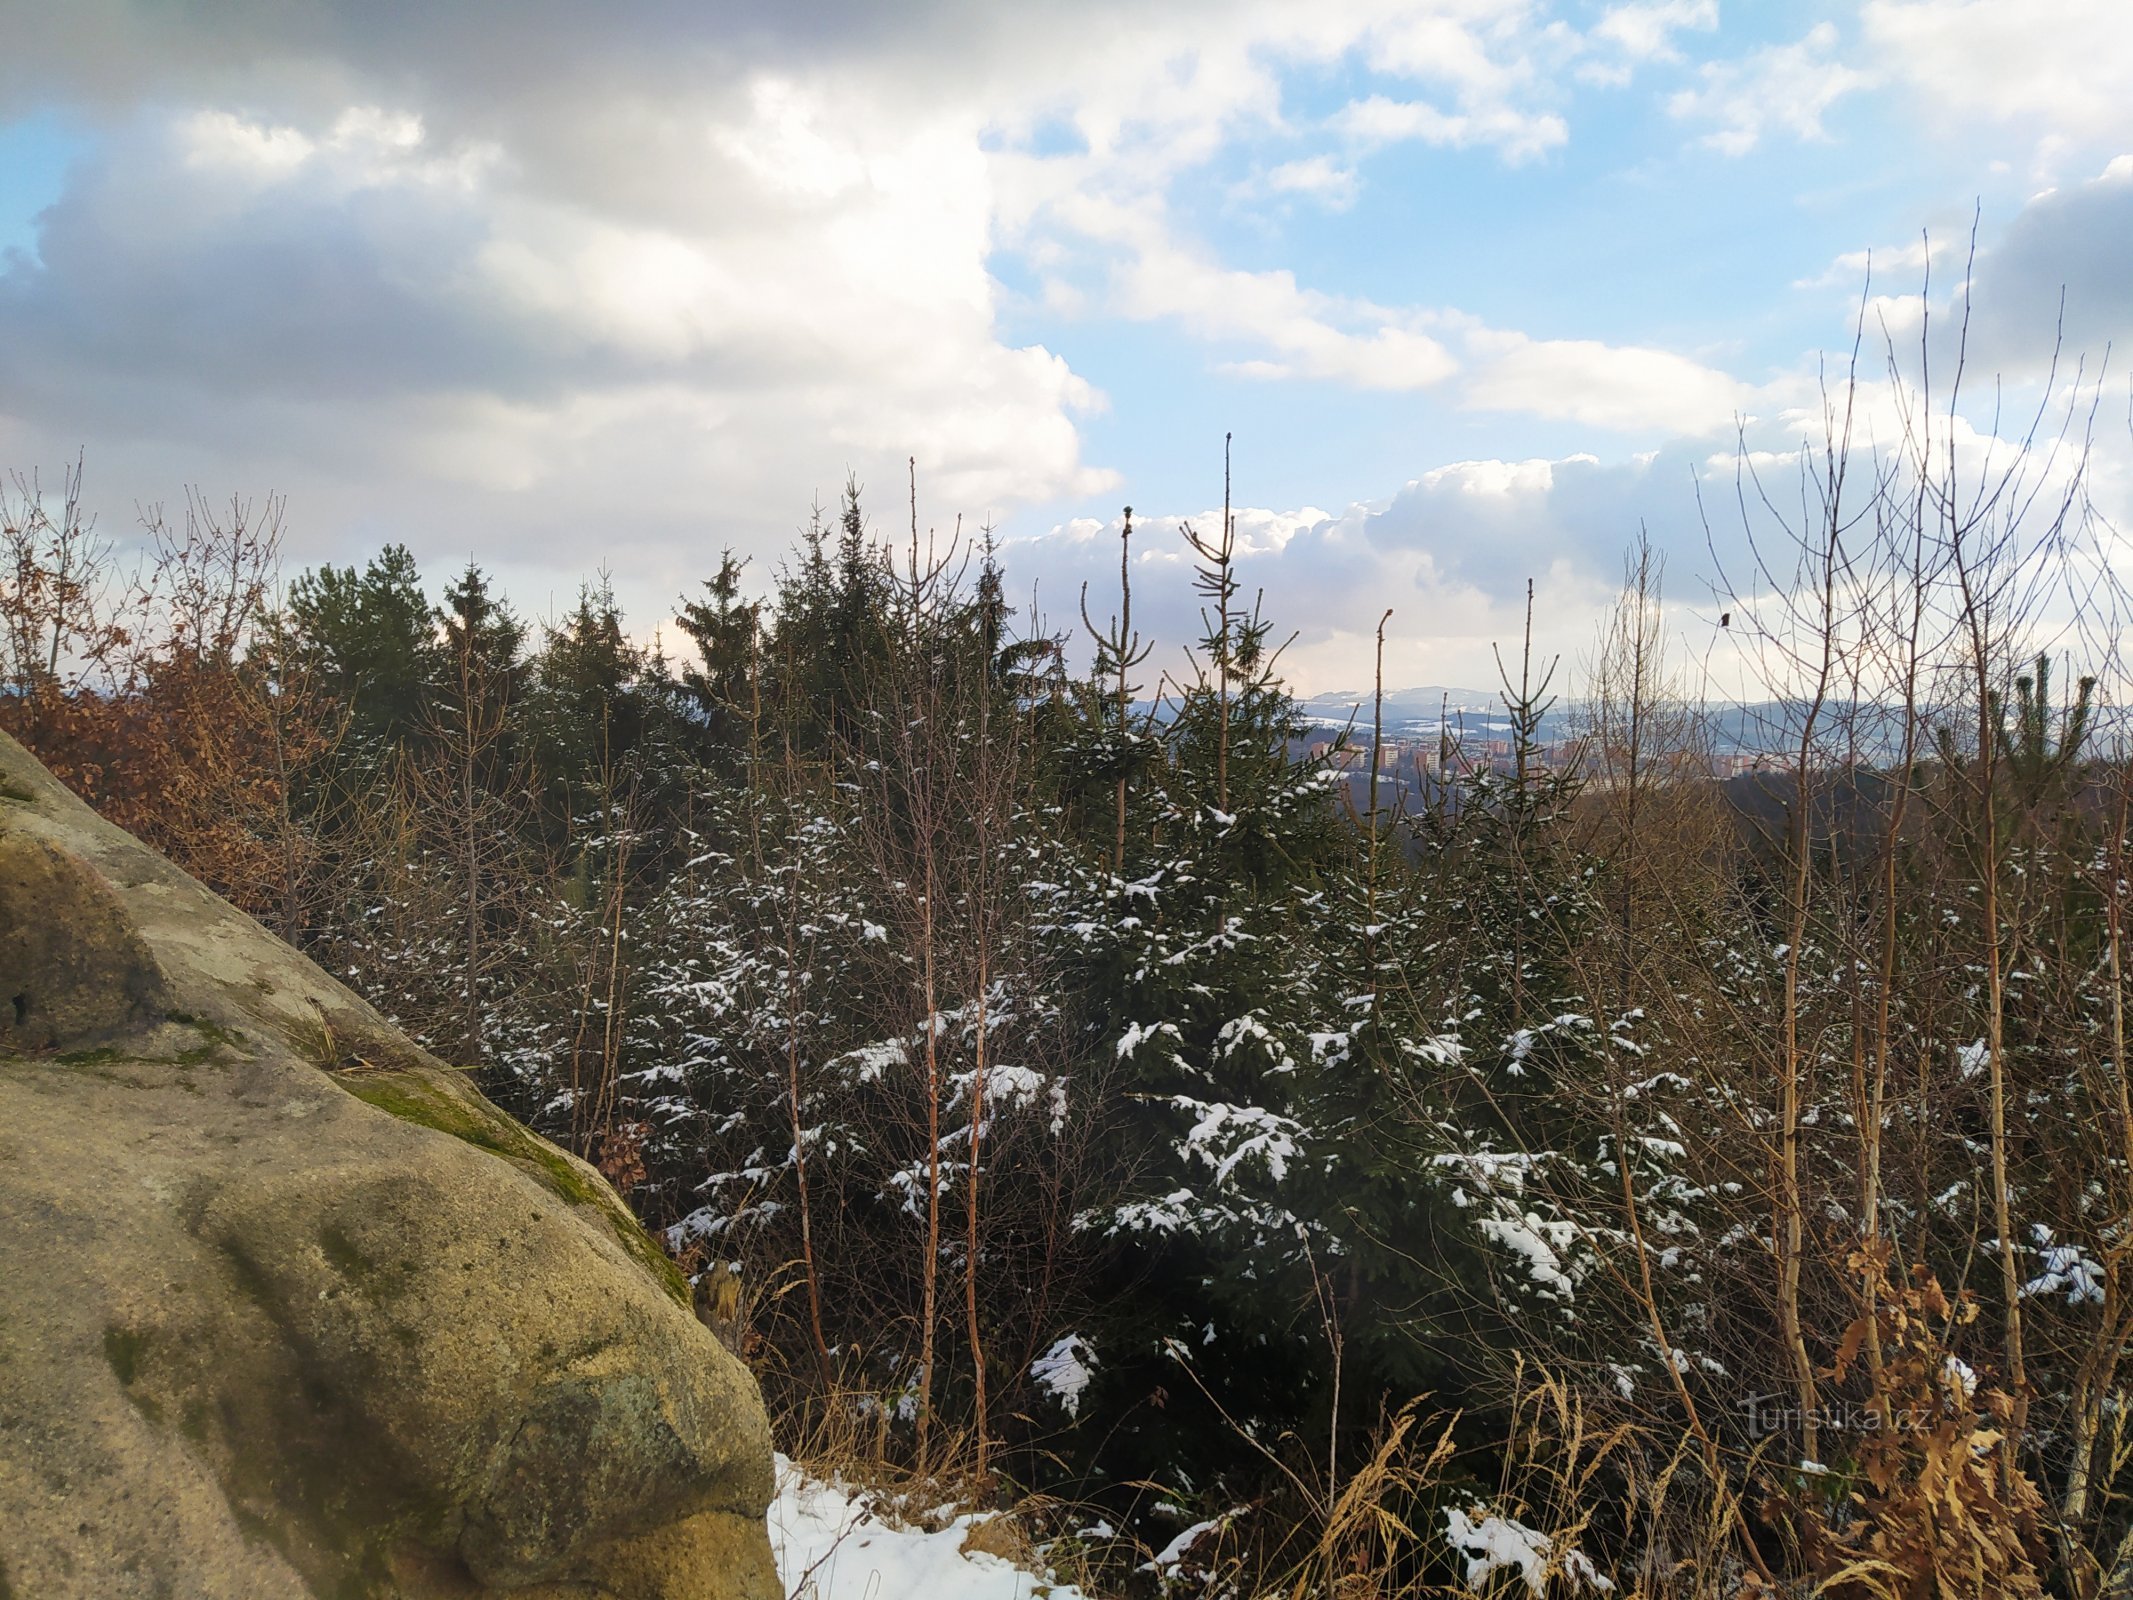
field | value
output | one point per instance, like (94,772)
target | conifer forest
(1065,1071)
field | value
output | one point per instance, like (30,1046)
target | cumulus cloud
(1645,31)
(1855,268)
(1778,89)
(1453,548)
(1606,386)
(2049,287)
(2056,281)
(1450,551)
(1324,181)
(1304,333)
(1489,66)
(2063,68)
(675,257)
(1642,33)
(1376,121)
(553,285)
(1319,177)
(1283,330)
(406,297)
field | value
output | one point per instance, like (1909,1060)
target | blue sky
(35,152)
(1480,286)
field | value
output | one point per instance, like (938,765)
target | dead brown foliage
(1925,1514)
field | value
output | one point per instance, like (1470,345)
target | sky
(1479,287)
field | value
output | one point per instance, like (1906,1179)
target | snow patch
(1064,1371)
(831,1545)
(2066,1267)
(1496,1544)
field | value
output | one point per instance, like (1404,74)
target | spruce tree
(721,689)
(1194,928)
(370,641)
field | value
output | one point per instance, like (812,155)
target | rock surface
(288,1309)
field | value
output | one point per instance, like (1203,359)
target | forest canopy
(1067,1070)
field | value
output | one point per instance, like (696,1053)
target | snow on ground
(1498,1544)
(831,1546)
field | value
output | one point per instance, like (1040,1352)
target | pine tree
(721,689)
(482,641)
(1195,928)
(369,640)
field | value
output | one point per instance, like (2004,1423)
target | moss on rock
(446,1103)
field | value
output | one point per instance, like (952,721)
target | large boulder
(288,1309)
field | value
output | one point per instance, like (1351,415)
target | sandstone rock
(288,1309)
(72,966)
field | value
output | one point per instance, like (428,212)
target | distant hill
(1767,726)
(1424,700)
(1425,705)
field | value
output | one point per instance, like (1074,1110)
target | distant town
(1435,740)
(1452,754)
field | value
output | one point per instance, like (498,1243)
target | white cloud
(1314,178)
(1320,178)
(1491,61)
(2048,287)
(1295,332)
(1376,121)
(2054,285)
(347,306)
(221,140)
(1277,329)
(643,207)
(1450,552)
(629,282)
(1854,268)
(364,147)
(516,278)
(1619,387)
(2063,68)
(1630,36)
(1779,88)
(1645,32)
